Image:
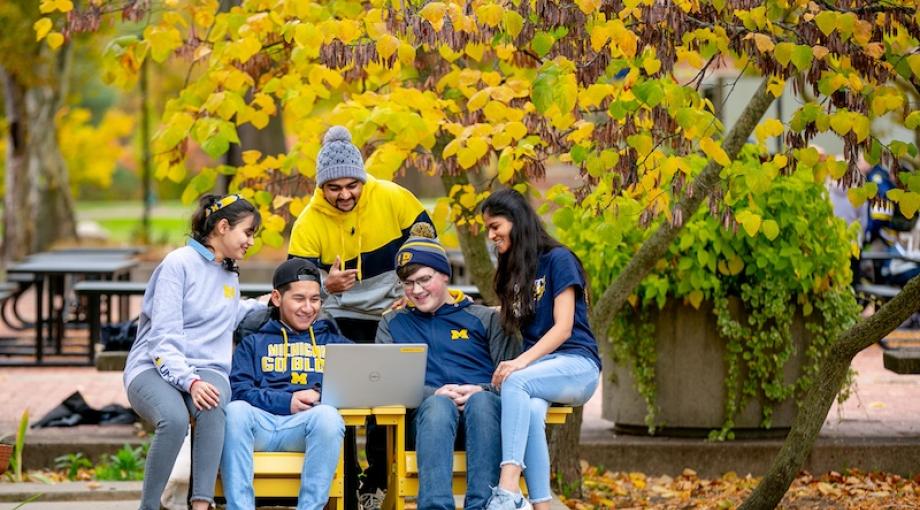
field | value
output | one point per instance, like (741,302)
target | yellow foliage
(92,152)
(714,150)
(42,27)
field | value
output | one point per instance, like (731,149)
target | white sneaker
(505,500)
(371,500)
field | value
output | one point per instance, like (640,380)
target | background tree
(494,90)
(37,182)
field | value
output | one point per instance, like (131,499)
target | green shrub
(772,241)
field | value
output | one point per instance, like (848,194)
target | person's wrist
(190,386)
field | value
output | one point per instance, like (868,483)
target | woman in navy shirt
(542,286)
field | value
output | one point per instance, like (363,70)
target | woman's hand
(506,368)
(204,395)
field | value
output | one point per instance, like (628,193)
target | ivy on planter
(773,242)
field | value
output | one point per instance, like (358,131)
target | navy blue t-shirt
(557,270)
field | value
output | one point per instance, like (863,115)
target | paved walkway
(882,403)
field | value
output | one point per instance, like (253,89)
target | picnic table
(50,272)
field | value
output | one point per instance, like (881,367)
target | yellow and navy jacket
(365,238)
(465,341)
(274,362)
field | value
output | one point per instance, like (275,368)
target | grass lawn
(122,220)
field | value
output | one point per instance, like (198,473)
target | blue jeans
(317,432)
(559,378)
(437,422)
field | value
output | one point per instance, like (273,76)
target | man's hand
(339,280)
(399,303)
(448,390)
(204,395)
(465,392)
(303,400)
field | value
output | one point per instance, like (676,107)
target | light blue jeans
(318,432)
(526,395)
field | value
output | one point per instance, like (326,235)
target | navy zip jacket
(465,341)
(266,371)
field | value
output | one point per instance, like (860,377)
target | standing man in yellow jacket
(352,229)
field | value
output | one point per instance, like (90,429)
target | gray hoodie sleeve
(166,340)
(383,330)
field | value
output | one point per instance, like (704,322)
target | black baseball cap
(295,270)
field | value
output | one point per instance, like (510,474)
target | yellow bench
(277,474)
(404,475)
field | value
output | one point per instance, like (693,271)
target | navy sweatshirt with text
(267,368)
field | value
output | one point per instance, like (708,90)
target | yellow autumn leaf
(55,5)
(600,34)
(490,14)
(768,129)
(434,13)
(588,6)
(251,156)
(735,265)
(513,22)
(776,85)
(501,140)
(475,50)
(841,123)
(749,221)
(696,298)
(406,54)
(517,130)
(714,151)
(273,222)
(55,40)
(913,62)
(594,94)
(819,51)
(478,100)
(42,27)
(386,46)
(763,42)
(451,148)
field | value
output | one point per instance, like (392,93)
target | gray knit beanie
(339,158)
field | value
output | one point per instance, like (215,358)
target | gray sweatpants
(168,409)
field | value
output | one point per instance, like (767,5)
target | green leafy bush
(126,464)
(774,243)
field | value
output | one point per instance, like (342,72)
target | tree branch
(613,299)
(811,414)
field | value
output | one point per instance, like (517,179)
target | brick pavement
(883,404)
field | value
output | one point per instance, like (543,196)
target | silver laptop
(368,375)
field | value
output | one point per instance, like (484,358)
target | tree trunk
(563,453)
(18,229)
(55,213)
(819,399)
(475,253)
(614,297)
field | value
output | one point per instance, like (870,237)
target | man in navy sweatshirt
(465,343)
(277,378)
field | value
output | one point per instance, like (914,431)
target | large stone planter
(690,374)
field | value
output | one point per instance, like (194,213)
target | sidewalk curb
(70,491)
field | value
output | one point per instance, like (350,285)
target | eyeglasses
(422,282)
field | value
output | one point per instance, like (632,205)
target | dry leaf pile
(852,489)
